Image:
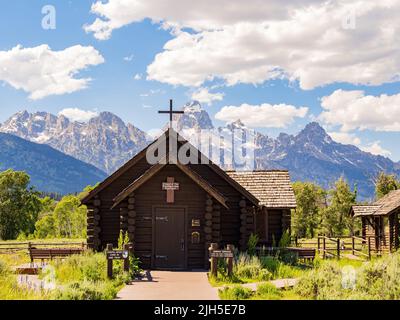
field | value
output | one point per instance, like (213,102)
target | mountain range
(50,170)
(107,142)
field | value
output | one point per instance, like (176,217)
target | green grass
(265,291)
(9,290)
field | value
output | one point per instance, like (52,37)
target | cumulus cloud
(345,138)
(264,115)
(354,110)
(203,95)
(138,76)
(42,72)
(255,41)
(75,114)
(376,149)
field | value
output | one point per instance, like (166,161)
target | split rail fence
(12,247)
(328,247)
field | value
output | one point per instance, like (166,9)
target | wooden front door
(169,238)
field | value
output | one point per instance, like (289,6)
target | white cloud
(354,110)
(376,149)
(43,72)
(345,138)
(138,76)
(199,15)
(264,115)
(129,58)
(75,114)
(254,41)
(203,95)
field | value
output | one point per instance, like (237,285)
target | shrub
(250,267)
(252,244)
(3,268)
(235,293)
(86,290)
(321,283)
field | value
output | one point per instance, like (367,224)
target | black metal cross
(171,112)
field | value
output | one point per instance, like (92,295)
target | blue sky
(217,50)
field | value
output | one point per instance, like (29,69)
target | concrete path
(170,285)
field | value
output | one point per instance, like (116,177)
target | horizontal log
(97,202)
(243,216)
(131,207)
(131,222)
(131,229)
(208,237)
(208,223)
(97,217)
(209,209)
(131,200)
(208,216)
(209,202)
(242,203)
(243,211)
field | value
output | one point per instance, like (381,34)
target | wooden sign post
(216,254)
(117,255)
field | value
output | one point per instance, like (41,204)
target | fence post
(109,262)
(319,244)
(353,244)
(213,260)
(231,248)
(338,248)
(324,247)
(369,248)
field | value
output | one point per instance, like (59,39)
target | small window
(195,237)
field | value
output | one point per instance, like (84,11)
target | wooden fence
(329,247)
(12,247)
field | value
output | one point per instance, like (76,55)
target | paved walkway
(170,285)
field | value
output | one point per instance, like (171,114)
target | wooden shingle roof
(384,206)
(364,210)
(272,188)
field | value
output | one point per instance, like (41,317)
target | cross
(170,186)
(171,112)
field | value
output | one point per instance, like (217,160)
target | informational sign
(222,254)
(117,254)
(170,186)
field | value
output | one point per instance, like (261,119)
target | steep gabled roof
(185,169)
(384,206)
(248,195)
(272,188)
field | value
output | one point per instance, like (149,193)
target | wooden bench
(50,254)
(307,254)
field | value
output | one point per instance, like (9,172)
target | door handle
(182,244)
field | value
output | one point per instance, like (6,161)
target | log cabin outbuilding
(172,211)
(380,222)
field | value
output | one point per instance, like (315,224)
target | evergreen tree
(385,183)
(311,199)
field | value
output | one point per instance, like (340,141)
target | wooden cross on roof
(171,112)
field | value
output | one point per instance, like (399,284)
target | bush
(321,283)
(235,293)
(250,267)
(86,290)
